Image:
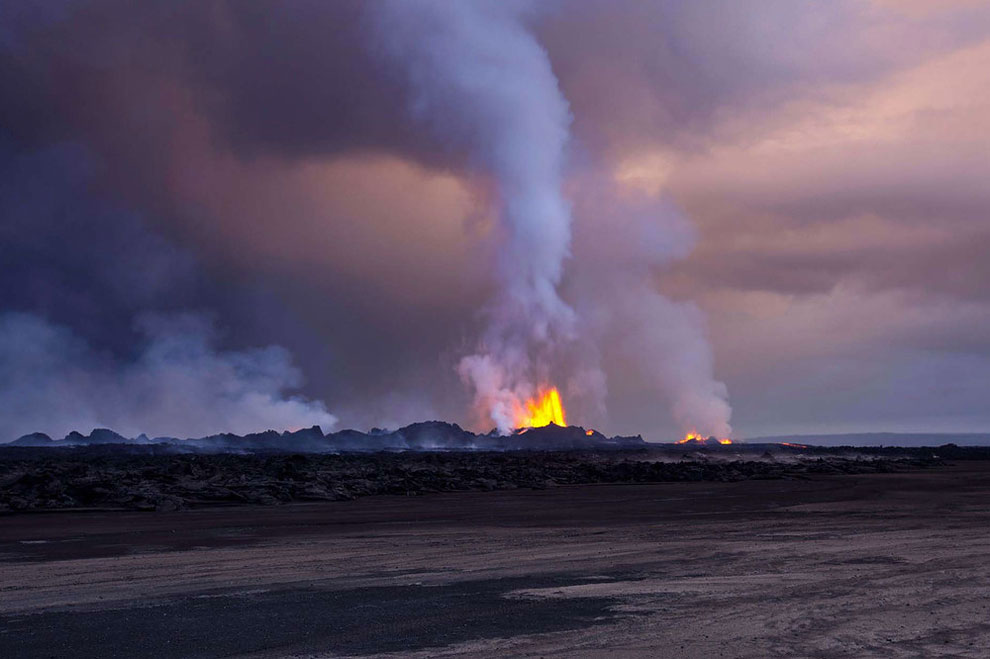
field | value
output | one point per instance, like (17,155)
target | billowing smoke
(484,84)
(658,343)
(53,381)
(293,198)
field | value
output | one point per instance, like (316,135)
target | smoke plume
(660,344)
(481,82)
(300,191)
(53,381)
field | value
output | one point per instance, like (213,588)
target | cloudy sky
(233,216)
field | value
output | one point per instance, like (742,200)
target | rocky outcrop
(34,439)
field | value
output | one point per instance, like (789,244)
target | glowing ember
(691,437)
(793,445)
(543,410)
(589,433)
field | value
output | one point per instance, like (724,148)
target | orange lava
(690,437)
(695,437)
(542,410)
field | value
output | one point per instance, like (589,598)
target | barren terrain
(881,564)
(146,478)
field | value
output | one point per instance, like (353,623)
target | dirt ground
(879,565)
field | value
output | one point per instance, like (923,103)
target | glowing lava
(691,437)
(698,439)
(542,410)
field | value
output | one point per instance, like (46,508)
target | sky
(754,217)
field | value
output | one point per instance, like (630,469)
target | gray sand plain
(877,565)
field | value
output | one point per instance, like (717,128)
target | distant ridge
(425,436)
(879,439)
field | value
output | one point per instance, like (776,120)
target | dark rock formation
(425,436)
(34,439)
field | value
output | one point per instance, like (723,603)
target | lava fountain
(541,410)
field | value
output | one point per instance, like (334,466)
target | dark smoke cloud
(76,257)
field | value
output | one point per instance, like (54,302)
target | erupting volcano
(518,141)
(542,410)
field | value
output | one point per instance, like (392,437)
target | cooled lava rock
(153,477)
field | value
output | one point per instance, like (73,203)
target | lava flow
(698,439)
(541,410)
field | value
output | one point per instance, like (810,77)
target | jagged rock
(424,436)
(105,436)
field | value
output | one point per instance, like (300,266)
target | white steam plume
(623,239)
(484,84)
(52,381)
